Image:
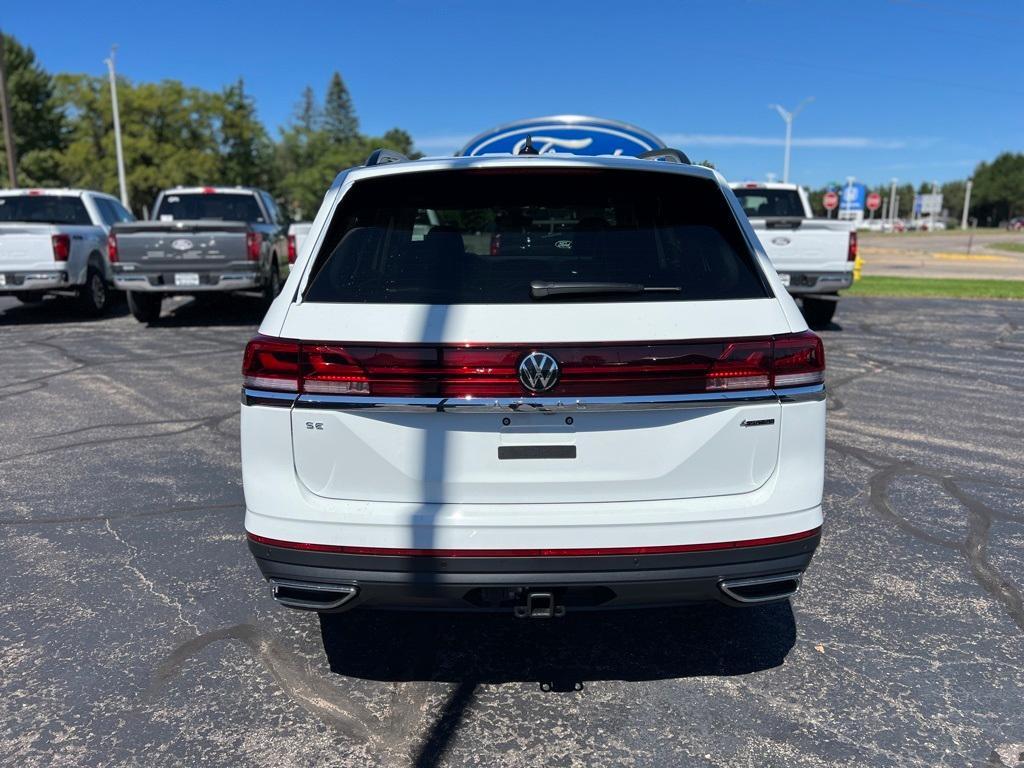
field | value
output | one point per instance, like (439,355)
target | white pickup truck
(815,258)
(55,241)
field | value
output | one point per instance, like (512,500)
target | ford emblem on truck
(780,241)
(181,245)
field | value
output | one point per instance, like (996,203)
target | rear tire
(145,307)
(29,297)
(273,286)
(94,296)
(818,312)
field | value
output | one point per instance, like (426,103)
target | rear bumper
(165,282)
(817,282)
(495,583)
(34,280)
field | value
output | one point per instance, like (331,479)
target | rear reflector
(61,247)
(572,552)
(664,368)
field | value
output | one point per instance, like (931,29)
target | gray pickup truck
(199,240)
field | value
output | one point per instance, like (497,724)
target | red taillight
(851,253)
(292,250)
(253,244)
(61,247)
(495,245)
(799,360)
(493,371)
(112,248)
(271,364)
(209,191)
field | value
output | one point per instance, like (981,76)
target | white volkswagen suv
(583,387)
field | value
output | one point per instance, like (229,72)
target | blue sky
(921,90)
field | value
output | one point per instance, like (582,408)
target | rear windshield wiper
(540,289)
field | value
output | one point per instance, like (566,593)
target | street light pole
(5,115)
(117,128)
(893,210)
(788,117)
(967,204)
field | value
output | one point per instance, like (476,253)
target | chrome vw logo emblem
(538,372)
(181,245)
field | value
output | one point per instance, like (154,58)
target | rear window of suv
(491,236)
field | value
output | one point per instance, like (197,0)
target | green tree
(339,116)
(246,150)
(999,189)
(36,118)
(953,198)
(170,136)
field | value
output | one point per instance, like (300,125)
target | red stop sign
(874,201)
(830,201)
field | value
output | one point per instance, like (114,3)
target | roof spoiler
(384,156)
(667,154)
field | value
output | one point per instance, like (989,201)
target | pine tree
(307,112)
(339,118)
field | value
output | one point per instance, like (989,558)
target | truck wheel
(94,296)
(29,297)
(145,307)
(273,286)
(818,312)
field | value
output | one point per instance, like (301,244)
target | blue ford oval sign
(574,134)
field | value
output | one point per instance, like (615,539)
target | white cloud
(826,142)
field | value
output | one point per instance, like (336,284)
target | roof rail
(666,153)
(385,156)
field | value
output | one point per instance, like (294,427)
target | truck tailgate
(192,245)
(805,244)
(25,245)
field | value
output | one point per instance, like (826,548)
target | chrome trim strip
(811,393)
(267,397)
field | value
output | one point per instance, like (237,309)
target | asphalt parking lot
(135,628)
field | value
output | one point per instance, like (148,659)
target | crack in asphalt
(974,547)
(123,515)
(211,422)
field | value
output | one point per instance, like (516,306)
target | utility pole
(117,128)
(893,210)
(788,117)
(5,115)
(967,204)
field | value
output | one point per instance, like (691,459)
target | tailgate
(804,245)
(193,245)
(25,245)
(482,455)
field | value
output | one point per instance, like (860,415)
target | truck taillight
(851,253)
(61,247)
(112,248)
(253,244)
(292,250)
(666,368)
(495,245)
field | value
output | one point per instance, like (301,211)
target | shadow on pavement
(559,654)
(55,310)
(211,310)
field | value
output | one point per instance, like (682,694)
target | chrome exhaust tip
(307,596)
(761,589)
